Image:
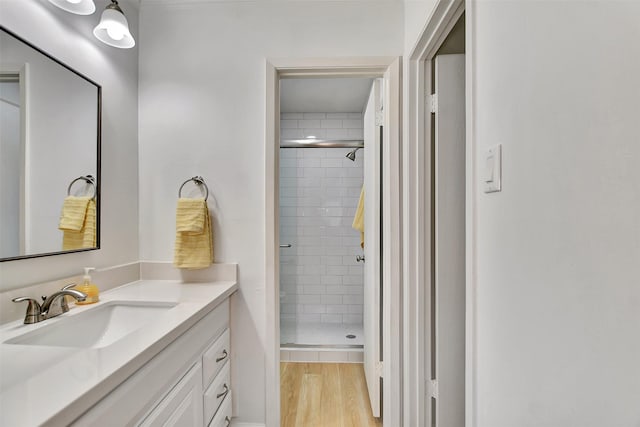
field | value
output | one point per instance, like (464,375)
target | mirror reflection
(49,154)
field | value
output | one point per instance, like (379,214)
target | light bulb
(115,32)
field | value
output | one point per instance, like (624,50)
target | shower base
(321,342)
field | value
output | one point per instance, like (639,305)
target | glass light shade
(79,7)
(113,28)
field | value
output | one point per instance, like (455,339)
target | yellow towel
(190,215)
(73,213)
(85,237)
(193,249)
(358,219)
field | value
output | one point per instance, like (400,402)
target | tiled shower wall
(320,280)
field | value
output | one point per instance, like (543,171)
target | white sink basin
(97,327)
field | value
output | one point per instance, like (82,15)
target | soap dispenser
(88,288)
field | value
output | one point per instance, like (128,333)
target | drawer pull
(228,420)
(224,356)
(224,393)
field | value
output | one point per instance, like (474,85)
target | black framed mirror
(50,136)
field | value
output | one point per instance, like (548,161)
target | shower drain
(351,336)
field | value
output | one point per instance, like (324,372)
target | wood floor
(324,395)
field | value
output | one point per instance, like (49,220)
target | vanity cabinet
(186,384)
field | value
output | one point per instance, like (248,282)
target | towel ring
(89,179)
(199,181)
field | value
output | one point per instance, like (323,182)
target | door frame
(390,69)
(419,215)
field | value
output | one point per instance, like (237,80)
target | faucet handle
(34,312)
(69,286)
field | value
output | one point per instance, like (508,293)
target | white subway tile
(352,280)
(337,115)
(331,318)
(314,115)
(356,133)
(331,124)
(309,299)
(287,308)
(337,309)
(315,308)
(287,153)
(332,260)
(352,299)
(288,116)
(314,290)
(333,163)
(352,318)
(291,134)
(331,280)
(355,309)
(352,124)
(314,172)
(309,162)
(310,279)
(316,269)
(310,124)
(337,134)
(355,115)
(289,124)
(331,299)
(317,133)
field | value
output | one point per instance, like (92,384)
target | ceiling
(328,95)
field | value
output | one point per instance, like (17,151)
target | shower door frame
(388,68)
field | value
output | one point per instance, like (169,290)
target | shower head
(351,155)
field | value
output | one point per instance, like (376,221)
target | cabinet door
(182,407)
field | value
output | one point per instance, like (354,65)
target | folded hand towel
(85,237)
(190,215)
(73,213)
(193,249)
(358,219)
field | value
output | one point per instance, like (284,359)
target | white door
(372,277)
(450,240)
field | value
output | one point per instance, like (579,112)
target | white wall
(202,111)
(557,293)
(416,14)
(69,38)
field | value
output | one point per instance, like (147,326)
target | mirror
(49,150)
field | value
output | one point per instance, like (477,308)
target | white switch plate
(492,176)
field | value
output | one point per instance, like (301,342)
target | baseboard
(239,424)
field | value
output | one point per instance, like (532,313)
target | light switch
(493,169)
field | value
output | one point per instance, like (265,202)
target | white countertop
(54,385)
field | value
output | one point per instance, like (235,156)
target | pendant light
(113,28)
(79,7)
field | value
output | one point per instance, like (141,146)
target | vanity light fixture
(79,7)
(113,28)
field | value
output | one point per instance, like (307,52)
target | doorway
(387,70)
(439,272)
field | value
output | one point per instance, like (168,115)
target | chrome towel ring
(199,181)
(89,179)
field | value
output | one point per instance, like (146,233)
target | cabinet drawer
(217,391)
(215,357)
(223,416)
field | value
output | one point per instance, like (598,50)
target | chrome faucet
(52,306)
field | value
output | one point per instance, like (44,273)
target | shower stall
(321,258)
